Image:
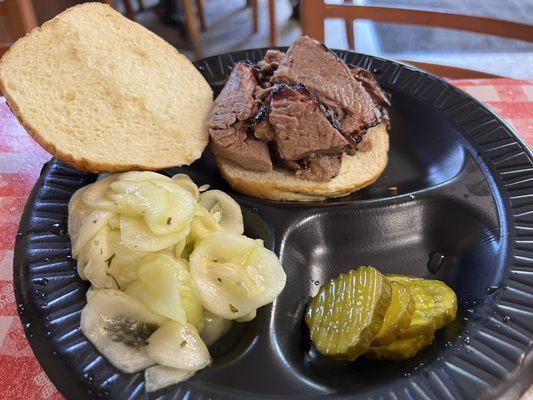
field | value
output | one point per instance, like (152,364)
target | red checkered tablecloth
(21,160)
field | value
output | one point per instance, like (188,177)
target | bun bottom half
(357,172)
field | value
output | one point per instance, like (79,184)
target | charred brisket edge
(261,115)
(353,140)
(382,108)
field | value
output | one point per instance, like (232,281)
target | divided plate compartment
(463,213)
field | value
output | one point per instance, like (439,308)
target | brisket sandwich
(300,126)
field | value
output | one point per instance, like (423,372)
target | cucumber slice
(248,317)
(136,176)
(214,328)
(179,248)
(235,275)
(190,299)
(92,261)
(119,327)
(136,235)
(158,286)
(203,225)
(224,210)
(178,345)
(165,206)
(96,195)
(186,182)
(83,221)
(122,261)
(159,377)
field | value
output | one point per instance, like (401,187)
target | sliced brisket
(235,144)
(263,131)
(325,75)
(229,135)
(319,169)
(370,84)
(304,108)
(301,126)
(269,64)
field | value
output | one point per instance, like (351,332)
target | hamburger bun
(104,94)
(357,172)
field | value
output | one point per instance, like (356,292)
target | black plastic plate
(465,183)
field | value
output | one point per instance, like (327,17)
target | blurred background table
(21,160)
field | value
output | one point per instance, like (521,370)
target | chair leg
(200,9)
(129,9)
(141,5)
(350,34)
(255,15)
(273,25)
(193,32)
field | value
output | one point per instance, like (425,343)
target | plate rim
(38,339)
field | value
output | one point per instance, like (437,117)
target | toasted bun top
(105,94)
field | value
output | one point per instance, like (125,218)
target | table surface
(21,160)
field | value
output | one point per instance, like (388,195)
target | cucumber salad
(170,269)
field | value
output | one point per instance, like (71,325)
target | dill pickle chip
(347,313)
(398,315)
(435,305)
(401,349)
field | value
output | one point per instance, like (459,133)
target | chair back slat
(463,22)
(313,13)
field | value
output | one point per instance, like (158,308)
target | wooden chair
(20,18)
(193,29)
(313,13)
(129,9)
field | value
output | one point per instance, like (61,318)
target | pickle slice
(347,313)
(435,305)
(400,349)
(398,315)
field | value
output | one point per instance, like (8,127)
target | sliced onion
(119,327)
(224,210)
(235,275)
(178,345)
